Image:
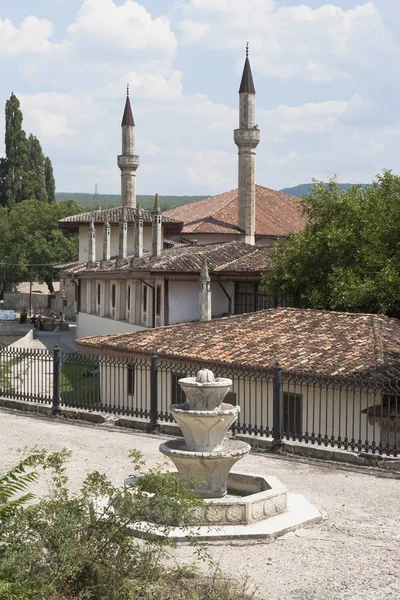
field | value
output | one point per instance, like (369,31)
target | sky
(326,77)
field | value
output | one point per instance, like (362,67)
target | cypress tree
(50,181)
(35,183)
(16,154)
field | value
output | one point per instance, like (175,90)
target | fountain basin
(250,498)
(205,395)
(208,470)
(204,431)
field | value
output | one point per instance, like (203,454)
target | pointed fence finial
(247,49)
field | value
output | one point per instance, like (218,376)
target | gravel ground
(353,554)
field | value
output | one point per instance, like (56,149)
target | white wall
(183,301)
(219,302)
(95,325)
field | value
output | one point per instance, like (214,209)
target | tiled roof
(114,216)
(221,258)
(277,214)
(329,343)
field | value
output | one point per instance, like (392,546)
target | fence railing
(352,413)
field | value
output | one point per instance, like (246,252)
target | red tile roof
(225,257)
(277,214)
(329,343)
(114,216)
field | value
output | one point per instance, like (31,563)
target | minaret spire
(128,162)
(247,137)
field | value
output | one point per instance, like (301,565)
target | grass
(75,388)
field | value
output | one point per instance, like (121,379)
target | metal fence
(351,413)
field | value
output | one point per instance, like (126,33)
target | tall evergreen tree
(35,184)
(16,154)
(50,181)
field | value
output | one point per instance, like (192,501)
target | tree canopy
(31,241)
(347,258)
(25,173)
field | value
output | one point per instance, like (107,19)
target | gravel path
(354,554)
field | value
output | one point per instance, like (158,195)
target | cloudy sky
(326,77)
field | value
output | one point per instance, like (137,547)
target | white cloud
(323,44)
(32,37)
(129,26)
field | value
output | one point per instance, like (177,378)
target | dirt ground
(353,554)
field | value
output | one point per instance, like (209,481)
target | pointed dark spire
(247,84)
(156,208)
(127,118)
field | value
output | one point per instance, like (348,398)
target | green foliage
(305,188)
(31,241)
(88,202)
(348,256)
(13,482)
(25,173)
(76,387)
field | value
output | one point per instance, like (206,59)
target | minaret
(106,239)
(247,138)
(205,292)
(128,162)
(92,243)
(156,229)
(138,233)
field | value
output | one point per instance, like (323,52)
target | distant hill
(87,201)
(304,188)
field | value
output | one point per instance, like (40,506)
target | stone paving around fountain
(353,554)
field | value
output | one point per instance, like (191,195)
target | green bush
(79,547)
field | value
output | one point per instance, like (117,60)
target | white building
(140,269)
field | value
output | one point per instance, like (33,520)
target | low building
(334,366)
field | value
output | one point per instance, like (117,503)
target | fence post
(277,405)
(56,380)
(153,392)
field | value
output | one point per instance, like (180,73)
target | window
(177,394)
(292,414)
(249,297)
(131,381)
(144,298)
(158,300)
(113,295)
(129,298)
(98,294)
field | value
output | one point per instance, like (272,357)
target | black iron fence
(352,413)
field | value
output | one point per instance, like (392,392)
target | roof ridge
(220,267)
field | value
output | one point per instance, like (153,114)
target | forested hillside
(305,188)
(90,201)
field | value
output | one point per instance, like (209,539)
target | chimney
(156,229)
(106,239)
(92,243)
(123,228)
(205,292)
(138,232)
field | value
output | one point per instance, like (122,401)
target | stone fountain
(236,505)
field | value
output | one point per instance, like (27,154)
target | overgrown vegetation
(78,546)
(348,256)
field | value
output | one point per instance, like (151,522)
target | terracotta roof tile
(114,216)
(277,214)
(323,342)
(221,258)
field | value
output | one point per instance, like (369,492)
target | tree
(15,168)
(50,181)
(31,241)
(36,176)
(347,258)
